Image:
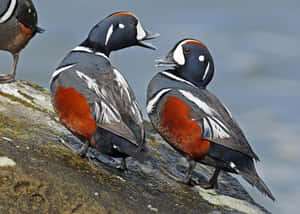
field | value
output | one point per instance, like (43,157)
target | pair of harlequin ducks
(95,102)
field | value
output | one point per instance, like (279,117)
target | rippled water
(256,49)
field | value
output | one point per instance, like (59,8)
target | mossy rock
(47,178)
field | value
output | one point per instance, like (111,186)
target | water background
(256,49)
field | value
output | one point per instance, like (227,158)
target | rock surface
(39,175)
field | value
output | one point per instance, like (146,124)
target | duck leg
(81,152)
(213,182)
(187,176)
(6,78)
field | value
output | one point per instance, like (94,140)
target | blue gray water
(256,49)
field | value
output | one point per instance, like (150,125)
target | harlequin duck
(194,121)
(92,98)
(18,24)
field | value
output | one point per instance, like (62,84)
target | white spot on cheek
(201,58)
(109,33)
(121,26)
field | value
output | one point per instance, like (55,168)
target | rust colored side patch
(74,112)
(182,132)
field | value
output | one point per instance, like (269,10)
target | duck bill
(166,61)
(148,36)
(39,30)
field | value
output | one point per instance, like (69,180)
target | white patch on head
(124,87)
(91,83)
(218,129)
(178,54)
(29,10)
(121,26)
(115,147)
(172,76)
(9,12)
(201,58)
(58,71)
(109,33)
(232,165)
(141,34)
(152,102)
(206,71)
(202,105)
(109,114)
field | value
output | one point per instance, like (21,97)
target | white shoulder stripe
(155,99)
(172,76)
(202,105)
(58,71)
(109,33)
(9,12)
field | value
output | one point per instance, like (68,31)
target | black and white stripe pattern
(155,99)
(9,12)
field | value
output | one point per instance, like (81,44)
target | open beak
(148,36)
(166,61)
(39,30)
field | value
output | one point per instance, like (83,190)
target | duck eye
(201,58)
(187,50)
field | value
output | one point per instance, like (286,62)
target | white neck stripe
(9,12)
(88,50)
(109,33)
(172,76)
(206,71)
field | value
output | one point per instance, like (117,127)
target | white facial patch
(121,26)
(109,33)
(141,34)
(202,105)
(9,12)
(155,99)
(201,58)
(206,71)
(178,54)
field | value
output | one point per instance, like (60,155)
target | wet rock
(42,176)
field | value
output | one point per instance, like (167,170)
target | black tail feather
(234,161)
(257,182)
